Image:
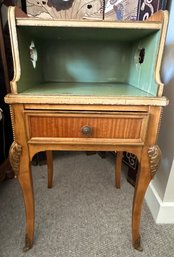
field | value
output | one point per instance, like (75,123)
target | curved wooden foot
(147,169)
(28,244)
(137,245)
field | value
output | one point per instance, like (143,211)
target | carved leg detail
(14,157)
(154,153)
(50,168)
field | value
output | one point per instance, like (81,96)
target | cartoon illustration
(65,9)
(121,9)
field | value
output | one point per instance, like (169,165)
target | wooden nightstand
(86,86)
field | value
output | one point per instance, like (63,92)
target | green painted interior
(85,61)
(88,61)
(89,89)
(143,75)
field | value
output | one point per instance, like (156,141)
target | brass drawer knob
(86,130)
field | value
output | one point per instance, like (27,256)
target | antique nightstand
(86,86)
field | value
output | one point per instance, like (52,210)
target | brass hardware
(14,157)
(86,130)
(154,153)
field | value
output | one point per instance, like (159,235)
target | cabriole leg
(20,163)
(148,166)
(25,180)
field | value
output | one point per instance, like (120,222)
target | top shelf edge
(89,24)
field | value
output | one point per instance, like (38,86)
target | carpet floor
(83,215)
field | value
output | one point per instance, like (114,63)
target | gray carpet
(83,215)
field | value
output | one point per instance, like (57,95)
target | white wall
(160,195)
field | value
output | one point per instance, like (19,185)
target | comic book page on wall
(120,9)
(146,8)
(94,9)
(59,9)
(132,9)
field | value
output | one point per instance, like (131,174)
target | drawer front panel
(114,126)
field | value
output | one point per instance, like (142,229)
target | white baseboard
(162,212)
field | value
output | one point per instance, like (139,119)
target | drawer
(98,125)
